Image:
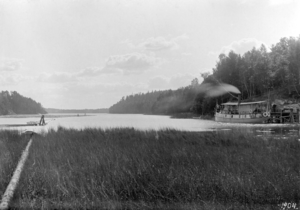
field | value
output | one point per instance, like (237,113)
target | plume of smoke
(212,90)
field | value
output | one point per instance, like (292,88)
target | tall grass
(11,146)
(118,168)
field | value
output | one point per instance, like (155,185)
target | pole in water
(42,120)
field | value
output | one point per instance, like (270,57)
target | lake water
(145,122)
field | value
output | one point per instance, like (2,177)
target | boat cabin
(243,108)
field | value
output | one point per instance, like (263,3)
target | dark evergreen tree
(14,103)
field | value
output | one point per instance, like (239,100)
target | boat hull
(236,118)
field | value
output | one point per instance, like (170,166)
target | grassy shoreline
(127,168)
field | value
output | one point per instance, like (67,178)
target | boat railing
(235,112)
(241,112)
(271,116)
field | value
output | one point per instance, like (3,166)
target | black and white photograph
(150,104)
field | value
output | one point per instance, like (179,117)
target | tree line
(14,103)
(82,111)
(256,73)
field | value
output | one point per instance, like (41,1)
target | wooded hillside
(14,103)
(256,73)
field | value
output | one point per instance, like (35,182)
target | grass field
(11,146)
(169,169)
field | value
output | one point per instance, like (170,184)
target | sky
(77,54)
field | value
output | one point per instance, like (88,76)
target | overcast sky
(90,53)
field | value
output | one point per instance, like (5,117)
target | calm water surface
(145,122)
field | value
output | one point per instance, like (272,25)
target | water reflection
(155,122)
(282,131)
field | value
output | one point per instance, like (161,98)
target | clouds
(181,80)
(131,63)
(114,91)
(279,2)
(82,75)
(159,82)
(138,62)
(65,79)
(144,58)
(240,46)
(160,43)
(91,92)
(10,72)
(13,78)
(156,44)
(173,82)
(72,77)
(97,71)
(56,77)
(105,88)
(77,43)
(10,64)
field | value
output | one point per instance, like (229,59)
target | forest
(258,74)
(82,111)
(14,103)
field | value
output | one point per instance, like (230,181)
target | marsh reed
(11,146)
(127,168)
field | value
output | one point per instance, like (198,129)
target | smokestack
(239,99)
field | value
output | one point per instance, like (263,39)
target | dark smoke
(212,90)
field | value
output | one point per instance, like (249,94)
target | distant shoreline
(49,115)
(71,111)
